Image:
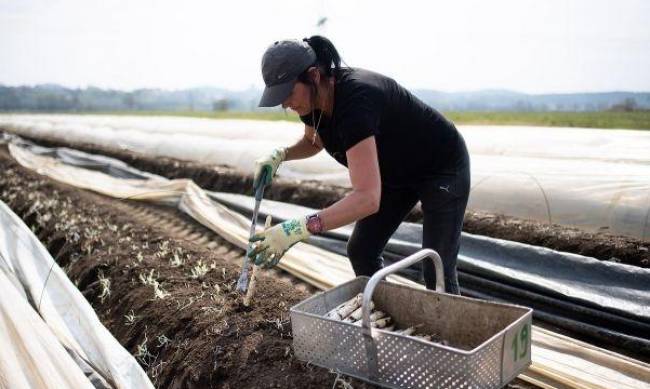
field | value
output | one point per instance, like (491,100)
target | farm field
(226,197)
(164,287)
(315,194)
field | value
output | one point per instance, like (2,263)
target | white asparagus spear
(248,298)
(350,306)
(358,313)
(343,308)
(381,323)
(333,314)
(376,315)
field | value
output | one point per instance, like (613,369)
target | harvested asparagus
(343,310)
(409,331)
(376,315)
(351,312)
(333,314)
(381,323)
(358,313)
(350,306)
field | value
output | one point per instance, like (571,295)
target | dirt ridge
(313,194)
(167,300)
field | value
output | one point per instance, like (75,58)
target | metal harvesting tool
(242,283)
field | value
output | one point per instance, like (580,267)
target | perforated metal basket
(488,343)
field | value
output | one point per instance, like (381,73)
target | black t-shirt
(413,139)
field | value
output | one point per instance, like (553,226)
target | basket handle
(371,347)
(406,262)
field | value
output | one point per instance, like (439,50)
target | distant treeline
(55,98)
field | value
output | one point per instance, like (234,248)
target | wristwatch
(314,224)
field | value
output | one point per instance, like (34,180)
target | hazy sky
(531,46)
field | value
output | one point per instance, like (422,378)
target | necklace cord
(317,124)
(313,119)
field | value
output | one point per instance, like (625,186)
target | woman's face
(299,100)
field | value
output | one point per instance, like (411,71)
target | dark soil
(602,246)
(313,194)
(195,333)
(198,335)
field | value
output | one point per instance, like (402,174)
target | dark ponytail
(327,58)
(328,63)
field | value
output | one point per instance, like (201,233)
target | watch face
(314,224)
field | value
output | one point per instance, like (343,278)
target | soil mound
(313,194)
(170,302)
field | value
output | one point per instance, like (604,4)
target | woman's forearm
(356,205)
(301,149)
(365,178)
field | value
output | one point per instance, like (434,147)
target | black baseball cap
(282,63)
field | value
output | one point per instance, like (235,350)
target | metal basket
(489,343)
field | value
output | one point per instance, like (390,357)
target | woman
(397,149)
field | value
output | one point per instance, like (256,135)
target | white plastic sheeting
(32,356)
(588,178)
(50,335)
(558,361)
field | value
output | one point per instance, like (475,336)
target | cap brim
(276,94)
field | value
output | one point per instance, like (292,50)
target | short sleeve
(359,117)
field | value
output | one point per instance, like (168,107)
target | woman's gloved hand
(269,246)
(268,165)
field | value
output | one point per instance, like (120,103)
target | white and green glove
(270,245)
(268,165)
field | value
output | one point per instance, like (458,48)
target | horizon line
(255,87)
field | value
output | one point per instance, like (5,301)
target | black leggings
(444,199)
